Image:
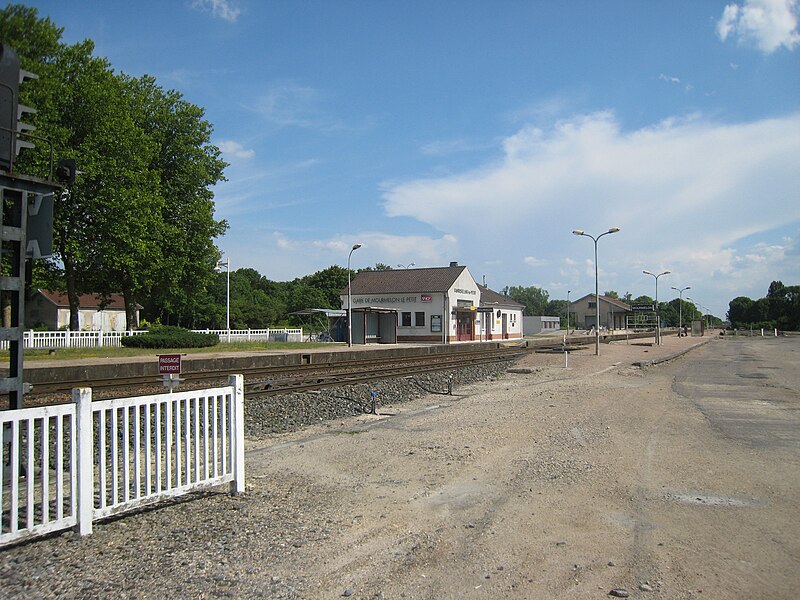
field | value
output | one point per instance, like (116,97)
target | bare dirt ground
(559,483)
(680,480)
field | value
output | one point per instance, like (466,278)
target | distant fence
(97,339)
(67,465)
(257,335)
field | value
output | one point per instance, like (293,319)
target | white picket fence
(68,465)
(257,335)
(96,339)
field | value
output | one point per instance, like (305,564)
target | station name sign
(378,300)
(643,307)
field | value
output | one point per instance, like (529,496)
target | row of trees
(538,303)
(779,309)
(139,219)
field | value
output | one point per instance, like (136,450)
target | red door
(465,329)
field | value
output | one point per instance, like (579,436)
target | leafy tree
(534,298)
(330,283)
(187,166)
(744,312)
(611,294)
(140,217)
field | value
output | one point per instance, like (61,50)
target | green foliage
(535,299)
(171,337)
(140,218)
(780,308)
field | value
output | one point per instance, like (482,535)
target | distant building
(437,304)
(612,312)
(534,325)
(50,309)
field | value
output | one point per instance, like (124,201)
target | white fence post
(237,382)
(85,467)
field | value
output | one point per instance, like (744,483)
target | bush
(171,337)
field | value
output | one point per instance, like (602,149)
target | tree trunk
(130,308)
(73,297)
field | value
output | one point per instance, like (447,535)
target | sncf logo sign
(426,298)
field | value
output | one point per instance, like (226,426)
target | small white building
(438,304)
(50,309)
(534,325)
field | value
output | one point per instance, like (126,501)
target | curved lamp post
(227,265)
(596,286)
(658,312)
(408,266)
(349,298)
(680,305)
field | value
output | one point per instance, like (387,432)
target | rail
(269,379)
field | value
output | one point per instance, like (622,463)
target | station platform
(77,370)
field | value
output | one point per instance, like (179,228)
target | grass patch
(106,352)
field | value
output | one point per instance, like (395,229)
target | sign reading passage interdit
(169,364)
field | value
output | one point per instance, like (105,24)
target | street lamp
(408,266)
(596,286)
(349,298)
(227,265)
(658,312)
(680,306)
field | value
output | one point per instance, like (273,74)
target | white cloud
(685,192)
(227,10)
(770,24)
(669,78)
(534,262)
(235,149)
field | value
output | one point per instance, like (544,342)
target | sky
(485,132)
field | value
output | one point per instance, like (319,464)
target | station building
(434,305)
(613,312)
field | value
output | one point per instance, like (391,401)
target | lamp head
(578,232)
(648,273)
(356,246)
(613,230)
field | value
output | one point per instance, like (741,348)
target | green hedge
(171,337)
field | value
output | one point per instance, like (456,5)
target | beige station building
(433,305)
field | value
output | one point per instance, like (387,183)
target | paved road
(748,389)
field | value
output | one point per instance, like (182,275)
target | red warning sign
(169,363)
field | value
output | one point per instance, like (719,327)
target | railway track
(274,380)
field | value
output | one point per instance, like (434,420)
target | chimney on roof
(453,263)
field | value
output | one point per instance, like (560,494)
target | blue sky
(485,132)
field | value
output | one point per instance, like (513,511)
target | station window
(406,319)
(419,319)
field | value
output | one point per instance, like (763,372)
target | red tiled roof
(86,300)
